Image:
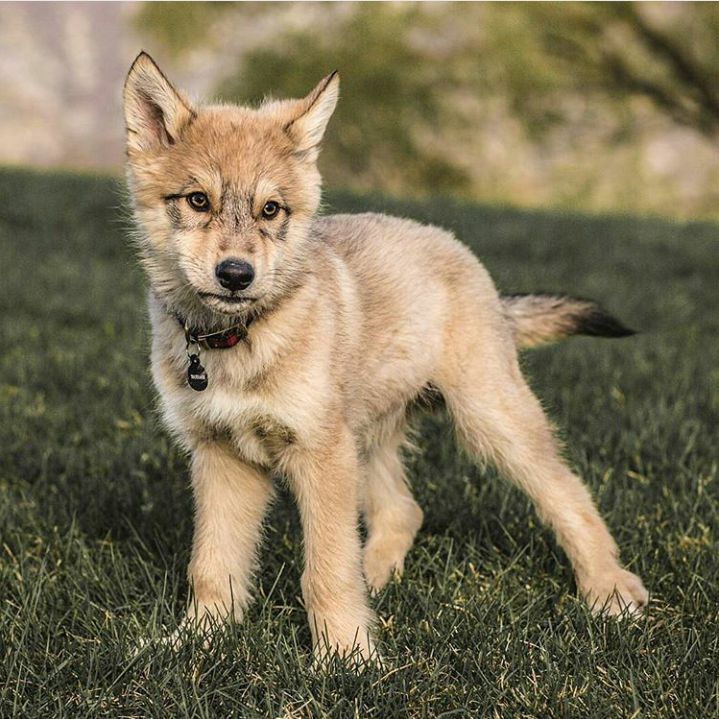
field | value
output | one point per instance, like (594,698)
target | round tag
(196,375)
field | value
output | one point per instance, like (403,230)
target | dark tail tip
(599,323)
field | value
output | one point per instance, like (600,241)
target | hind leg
(391,514)
(500,419)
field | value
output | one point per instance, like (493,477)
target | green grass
(95,516)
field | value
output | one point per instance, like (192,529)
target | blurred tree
(390,98)
(509,101)
(659,51)
(179,26)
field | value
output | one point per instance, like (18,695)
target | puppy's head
(223,194)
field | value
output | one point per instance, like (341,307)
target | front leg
(231,499)
(325,483)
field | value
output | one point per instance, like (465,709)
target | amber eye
(198,201)
(270,210)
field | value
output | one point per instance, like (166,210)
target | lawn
(96,514)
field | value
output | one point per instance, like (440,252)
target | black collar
(220,340)
(197,377)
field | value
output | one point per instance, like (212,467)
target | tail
(539,319)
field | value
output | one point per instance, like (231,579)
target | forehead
(235,146)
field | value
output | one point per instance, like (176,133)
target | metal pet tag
(196,375)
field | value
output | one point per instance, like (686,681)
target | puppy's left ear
(308,128)
(155,112)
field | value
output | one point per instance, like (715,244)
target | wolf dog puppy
(308,339)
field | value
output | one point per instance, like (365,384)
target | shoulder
(351,225)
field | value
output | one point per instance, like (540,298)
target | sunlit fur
(354,318)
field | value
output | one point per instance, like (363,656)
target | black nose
(235,274)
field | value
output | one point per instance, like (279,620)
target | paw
(383,560)
(149,644)
(187,628)
(358,653)
(614,593)
(343,633)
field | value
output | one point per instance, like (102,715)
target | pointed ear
(308,128)
(155,113)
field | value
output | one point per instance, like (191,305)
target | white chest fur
(257,401)
(257,427)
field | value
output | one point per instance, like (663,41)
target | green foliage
(177,26)
(615,52)
(567,104)
(388,98)
(96,513)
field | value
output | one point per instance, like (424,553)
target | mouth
(213,299)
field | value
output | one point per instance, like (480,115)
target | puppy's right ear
(315,110)
(155,112)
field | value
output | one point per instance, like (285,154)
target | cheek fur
(198,254)
(174,216)
(156,228)
(281,235)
